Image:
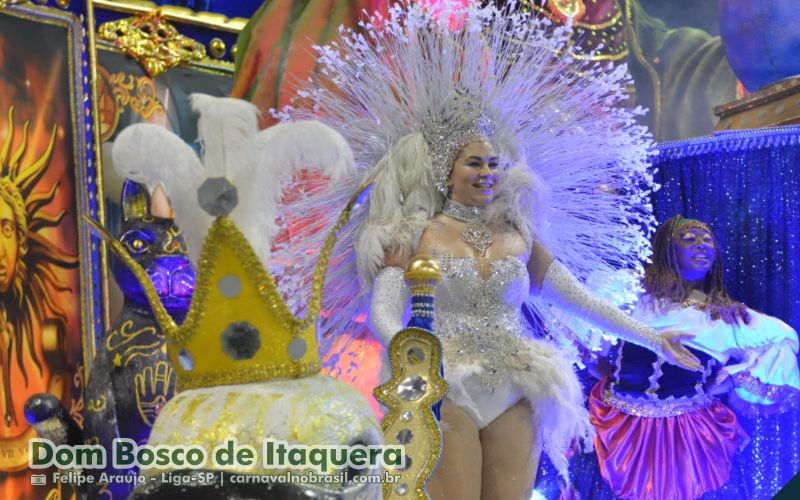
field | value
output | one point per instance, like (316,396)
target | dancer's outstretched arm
(560,288)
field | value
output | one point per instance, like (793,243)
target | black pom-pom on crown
(241,340)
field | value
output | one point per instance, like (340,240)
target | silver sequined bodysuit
(490,360)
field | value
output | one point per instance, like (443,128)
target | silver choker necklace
(461,212)
(475,233)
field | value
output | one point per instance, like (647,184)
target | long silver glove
(390,297)
(561,289)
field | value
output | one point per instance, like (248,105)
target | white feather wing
(298,163)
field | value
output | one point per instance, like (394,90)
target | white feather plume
(282,151)
(225,131)
(308,144)
(153,155)
(260,164)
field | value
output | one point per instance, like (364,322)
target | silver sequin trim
(774,393)
(669,407)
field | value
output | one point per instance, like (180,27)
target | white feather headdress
(578,178)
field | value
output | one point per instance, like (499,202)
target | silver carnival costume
(408,97)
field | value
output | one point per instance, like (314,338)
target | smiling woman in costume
(487,144)
(661,433)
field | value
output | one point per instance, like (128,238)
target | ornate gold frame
(206,65)
(88,191)
(180,14)
(153,41)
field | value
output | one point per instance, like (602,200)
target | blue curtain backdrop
(746,186)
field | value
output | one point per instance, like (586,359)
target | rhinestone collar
(461,212)
(475,233)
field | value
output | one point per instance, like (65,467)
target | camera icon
(38,480)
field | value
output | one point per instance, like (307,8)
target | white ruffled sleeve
(767,374)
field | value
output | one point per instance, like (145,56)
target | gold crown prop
(238,329)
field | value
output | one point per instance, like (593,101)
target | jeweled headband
(683,222)
(462,121)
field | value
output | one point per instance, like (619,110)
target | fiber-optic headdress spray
(418,85)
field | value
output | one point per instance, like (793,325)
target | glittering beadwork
(775,393)
(721,376)
(479,320)
(475,233)
(562,289)
(463,213)
(488,350)
(462,122)
(669,407)
(478,236)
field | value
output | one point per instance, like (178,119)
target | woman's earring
(445,189)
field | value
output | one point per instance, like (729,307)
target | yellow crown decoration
(238,329)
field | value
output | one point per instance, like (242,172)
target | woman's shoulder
(440,231)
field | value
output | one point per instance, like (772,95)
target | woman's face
(475,175)
(695,252)
(9,245)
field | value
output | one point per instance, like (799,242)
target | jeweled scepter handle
(422,275)
(416,386)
